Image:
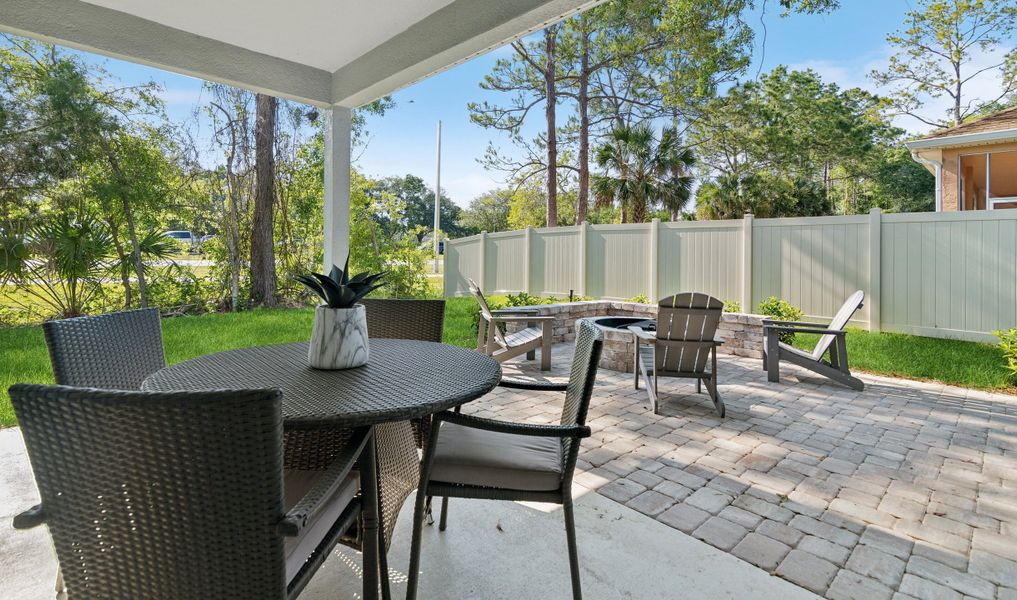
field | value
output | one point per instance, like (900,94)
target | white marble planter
(338,338)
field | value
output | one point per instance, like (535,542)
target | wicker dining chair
(422,320)
(115,351)
(183,494)
(474,457)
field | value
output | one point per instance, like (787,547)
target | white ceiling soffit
(322,52)
(965,139)
(323,34)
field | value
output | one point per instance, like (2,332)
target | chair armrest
(651,336)
(560,431)
(820,329)
(537,386)
(522,318)
(30,518)
(793,323)
(515,310)
(642,333)
(296,519)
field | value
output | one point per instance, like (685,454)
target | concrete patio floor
(491,550)
(906,490)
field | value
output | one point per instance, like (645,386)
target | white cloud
(186,96)
(464,188)
(846,74)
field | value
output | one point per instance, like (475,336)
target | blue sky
(843,47)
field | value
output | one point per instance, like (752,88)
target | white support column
(872,297)
(747,263)
(654,259)
(337,185)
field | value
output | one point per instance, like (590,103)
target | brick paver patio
(906,490)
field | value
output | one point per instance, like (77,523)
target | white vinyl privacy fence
(935,274)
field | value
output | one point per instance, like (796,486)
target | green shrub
(781,310)
(524,299)
(732,306)
(179,290)
(640,299)
(1008,344)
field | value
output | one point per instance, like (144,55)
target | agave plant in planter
(339,334)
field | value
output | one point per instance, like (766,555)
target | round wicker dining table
(403,380)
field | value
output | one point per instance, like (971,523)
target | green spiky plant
(338,289)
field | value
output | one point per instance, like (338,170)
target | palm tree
(64,261)
(641,172)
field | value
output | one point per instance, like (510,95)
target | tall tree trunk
(639,210)
(551,92)
(139,266)
(233,239)
(125,269)
(584,124)
(957,94)
(263,278)
(123,184)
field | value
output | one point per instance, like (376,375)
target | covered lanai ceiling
(323,52)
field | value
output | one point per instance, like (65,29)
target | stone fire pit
(742,333)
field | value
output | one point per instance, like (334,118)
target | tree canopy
(942,48)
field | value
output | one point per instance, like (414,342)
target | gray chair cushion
(469,456)
(296,483)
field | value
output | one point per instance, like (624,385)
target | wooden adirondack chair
(832,340)
(501,347)
(682,346)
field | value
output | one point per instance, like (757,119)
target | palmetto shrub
(1008,344)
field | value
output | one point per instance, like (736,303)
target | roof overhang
(968,139)
(393,53)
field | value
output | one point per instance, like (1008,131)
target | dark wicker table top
(404,379)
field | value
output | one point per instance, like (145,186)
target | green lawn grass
(23,355)
(966,364)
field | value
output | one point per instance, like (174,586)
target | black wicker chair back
(159,496)
(405,319)
(422,320)
(589,340)
(116,351)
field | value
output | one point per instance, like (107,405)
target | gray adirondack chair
(683,345)
(835,367)
(500,346)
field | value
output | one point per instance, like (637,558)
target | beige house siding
(950,158)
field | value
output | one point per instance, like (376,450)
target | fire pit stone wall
(742,333)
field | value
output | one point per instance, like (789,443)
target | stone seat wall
(742,333)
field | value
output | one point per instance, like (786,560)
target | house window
(988,180)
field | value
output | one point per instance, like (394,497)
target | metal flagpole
(437,201)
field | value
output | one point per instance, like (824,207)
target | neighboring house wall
(949,274)
(950,158)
